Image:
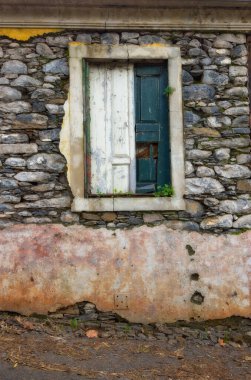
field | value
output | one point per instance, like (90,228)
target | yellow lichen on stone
(23,34)
(156,44)
(76,43)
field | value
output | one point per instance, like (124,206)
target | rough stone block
(69,217)
(223,221)
(58,66)
(110,39)
(187,78)
(238,142)
(31,121)
(239,206)
(235,111)
(8,94)
(218,52)
(198,92)
(48,162)
(153,218)
(208,132)
(239,51)
(55,109)
(14,67)
(203,186)
(222,154)
(125,36)
(204,171)
(189,169)
(238,71)
(108,216)
(13,138)
(191,118)
(45,51)
(235,38)
(197,154)
(244,186)
(223,61)
(214,78)
(42,94)
(233,171)
(59,41)
(150,39)
(32,177)
(241,121)
(18,148)
(49,134)
(243,222)
(240,92)
(26,81)
(61,202)
(243,158)
(194,209)
(84,38)
(8,184)
(15,107)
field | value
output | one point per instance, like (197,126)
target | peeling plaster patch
(23,34)
(75,263)
(64,144)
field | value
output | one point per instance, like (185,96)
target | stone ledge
(110,18)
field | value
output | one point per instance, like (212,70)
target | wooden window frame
(73,138)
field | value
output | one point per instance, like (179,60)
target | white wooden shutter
(112,135)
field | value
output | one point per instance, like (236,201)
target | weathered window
(129,134)
(125,130)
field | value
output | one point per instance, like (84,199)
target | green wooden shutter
(152,129)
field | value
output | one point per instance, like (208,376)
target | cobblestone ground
(68,346)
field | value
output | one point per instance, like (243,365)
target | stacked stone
(34,78)
(33,89)
(217,128)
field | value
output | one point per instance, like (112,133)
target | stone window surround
(75,115)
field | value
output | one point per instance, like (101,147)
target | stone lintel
(125,18)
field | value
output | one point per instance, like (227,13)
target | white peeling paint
(112,128)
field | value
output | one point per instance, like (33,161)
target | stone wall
(33,89)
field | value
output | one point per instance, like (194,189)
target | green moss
(164,191)
(240,231)
(168,91)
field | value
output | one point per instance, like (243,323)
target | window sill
(128,204)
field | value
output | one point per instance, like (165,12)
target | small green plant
(226,337)
(74,323)
(164,191)
(168,91)
(127,329)
(116,191)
